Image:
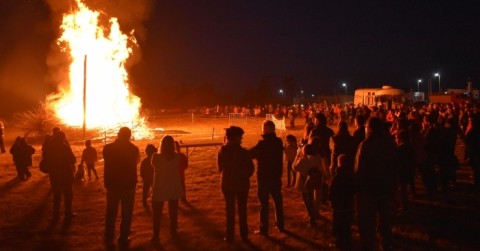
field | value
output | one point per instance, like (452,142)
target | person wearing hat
(236,167)
(146,172)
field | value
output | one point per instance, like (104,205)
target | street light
(418,85)
(281,92)
(438,75)
(345,85)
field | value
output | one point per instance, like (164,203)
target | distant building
(386,96)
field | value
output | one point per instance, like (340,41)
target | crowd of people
(371,167)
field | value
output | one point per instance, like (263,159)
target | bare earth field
(447,222)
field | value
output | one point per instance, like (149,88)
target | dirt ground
(447,222)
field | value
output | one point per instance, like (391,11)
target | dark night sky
(232,44)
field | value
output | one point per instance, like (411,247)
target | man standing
(269,155)
(60,162)
(236,168)
(375,169)
(120,178)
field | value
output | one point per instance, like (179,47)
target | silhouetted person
(359,133)
(431,133)
(269,155)
(472,139)
(182,166)
(290,152)
(120,178)
(341,195)
(22,157)
(146,172)
(447,160)
(60,162)
(406,158)
(236,168)
(167,186)
(2,135)
(89,157)
(320,136)
(343,143)
(305,162)
(375,175)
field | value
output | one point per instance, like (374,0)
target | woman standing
(166,186)
(306,162)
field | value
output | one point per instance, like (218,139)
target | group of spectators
(373,166)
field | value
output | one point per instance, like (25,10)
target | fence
(237,118)
(279,123)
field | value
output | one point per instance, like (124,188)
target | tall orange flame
(109,102)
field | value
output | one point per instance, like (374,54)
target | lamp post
(418,85)
(345,85)
(438,75)
(281,92)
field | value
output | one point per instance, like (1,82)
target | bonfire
(96,95)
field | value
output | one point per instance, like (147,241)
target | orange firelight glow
(109,102)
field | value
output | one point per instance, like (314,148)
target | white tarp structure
(279,123)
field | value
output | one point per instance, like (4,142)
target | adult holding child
(22,157)
(306,162)
(236,168)
(59,161)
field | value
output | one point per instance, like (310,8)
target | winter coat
(376,165)
(121,158)
(166,180)
(302,166)
(236,168)
(342,190)
(59,160)
(269,155)
(22,154)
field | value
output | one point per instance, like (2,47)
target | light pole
(281,92)
(438,75)
(345,85)
(418,85)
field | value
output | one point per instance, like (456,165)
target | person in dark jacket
(120,178)
(22,157)
(341,195)
(236,168)
(182,167)
(146,172)
(375,177)
(359,133)
(60,162)
(447,160)
(406,158)
(269,155)
(343,143)
(472,140)
(320,136)
(431,133)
